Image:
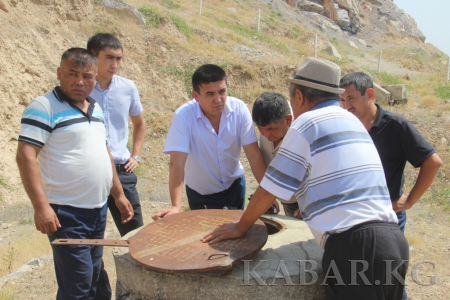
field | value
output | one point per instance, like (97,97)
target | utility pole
(379,62)
(259,18)
(315,46)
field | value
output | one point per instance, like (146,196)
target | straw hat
(318,74)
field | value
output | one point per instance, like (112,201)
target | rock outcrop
(352,16)
(124,9)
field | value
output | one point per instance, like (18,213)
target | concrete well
(278,258)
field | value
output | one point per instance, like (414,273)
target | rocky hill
(166,39)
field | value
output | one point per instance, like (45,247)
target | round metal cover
(173,245)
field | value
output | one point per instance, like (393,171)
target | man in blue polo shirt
(204,143)
(328,161)
(68,172)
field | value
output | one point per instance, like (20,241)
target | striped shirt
(74,163)
(328,161)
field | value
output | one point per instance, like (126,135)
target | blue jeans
(77,268)
(401,215)
(234,196)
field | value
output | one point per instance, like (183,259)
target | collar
(97,85)
(58,93)
(378,117)
(331,102)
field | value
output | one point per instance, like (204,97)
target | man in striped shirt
(328,161)
(68,172)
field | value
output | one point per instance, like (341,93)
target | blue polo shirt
(213,161)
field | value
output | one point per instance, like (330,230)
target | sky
(432,19)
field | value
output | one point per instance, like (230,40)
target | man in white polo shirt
(329,162)
(204,143)
(68,172)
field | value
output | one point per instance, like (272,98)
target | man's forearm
(176,184)
(256,161)
(116,189)
(259,168)
(261,201)
(138,139)
(427,173)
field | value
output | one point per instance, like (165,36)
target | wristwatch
(136,158)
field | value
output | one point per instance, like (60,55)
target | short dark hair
(101,41)
(206,74)
(270,107)
(361,80)
(311,95)
(80,55)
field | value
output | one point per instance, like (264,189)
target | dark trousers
(128,181)
(77,268)
(289,208)
(233,197)
(401,215)
(379,247)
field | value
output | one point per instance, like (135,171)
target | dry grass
(20,250)
(414,239)
(429,102)
(7,294)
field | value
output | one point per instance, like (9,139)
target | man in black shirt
(397,141)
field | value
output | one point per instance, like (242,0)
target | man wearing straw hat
(328,161)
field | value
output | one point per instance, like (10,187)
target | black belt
(120,167)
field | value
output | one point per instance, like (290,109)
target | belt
(120,167)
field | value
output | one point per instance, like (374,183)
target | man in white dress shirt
(204,143)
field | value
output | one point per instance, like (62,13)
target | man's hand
(46,220)
(224,232)
(401,204)
(297,214)
(166,212)
(125,208)
(131,165)
(277,206)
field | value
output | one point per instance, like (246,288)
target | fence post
(200,10)
(379,62)
(448,70)
(315,46)
(259,18)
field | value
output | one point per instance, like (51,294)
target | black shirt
(397,141)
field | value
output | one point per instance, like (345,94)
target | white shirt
(213,161)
